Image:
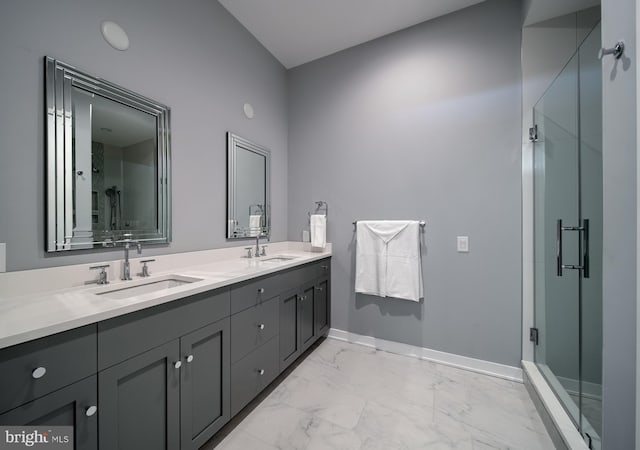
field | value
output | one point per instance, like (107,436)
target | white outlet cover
(3,257)
(463,244)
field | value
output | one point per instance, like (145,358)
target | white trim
(561,420)
(589,390)
(528,275)
(462,362)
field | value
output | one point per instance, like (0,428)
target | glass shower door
(556,204)
(568,237)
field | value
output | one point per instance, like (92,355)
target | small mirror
(248,172)
(107,163)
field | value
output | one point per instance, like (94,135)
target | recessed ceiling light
(115,35)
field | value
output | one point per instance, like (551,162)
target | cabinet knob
(261,326)
(38,372)
(261,291)
(177,364)
(189,358)
(260,371)
(90,411)
(319,288)
(324,267)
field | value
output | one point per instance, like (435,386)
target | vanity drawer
(123,337)
(61,359)
(253,373)
(253,292)
(253,327)
(304,274)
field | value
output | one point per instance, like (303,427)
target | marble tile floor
(346,396)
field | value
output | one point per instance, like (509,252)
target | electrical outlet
(3,257)
(463,244)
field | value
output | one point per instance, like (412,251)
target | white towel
(388,262)
(255,224)
(318,230)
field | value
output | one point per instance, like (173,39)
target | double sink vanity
(163,361)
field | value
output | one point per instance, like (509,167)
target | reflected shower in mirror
(108,163)
(248,172)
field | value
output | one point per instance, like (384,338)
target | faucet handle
(145,268)
(102,276)
(264,251)
(248,249)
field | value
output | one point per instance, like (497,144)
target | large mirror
(108,163)
(248,172)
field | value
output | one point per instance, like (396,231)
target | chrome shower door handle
(559,247)
(584,231)
(585,248)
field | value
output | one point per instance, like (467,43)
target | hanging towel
(388,262)
(318,230)
(255,224)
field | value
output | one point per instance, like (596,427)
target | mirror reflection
(108,163)
(248,188)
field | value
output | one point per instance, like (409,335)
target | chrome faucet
(126,272)
(257,251)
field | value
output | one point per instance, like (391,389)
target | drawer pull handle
(260,371)
(261,326)
(189,358)
(38,372)
(177,364)
(324,267)
(320,289)
(261,291)
(90,411)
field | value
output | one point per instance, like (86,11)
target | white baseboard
(462,362)
(589,390)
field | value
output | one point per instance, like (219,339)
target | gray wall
(191,55)
(421,124)
(619,227)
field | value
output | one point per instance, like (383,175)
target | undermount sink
(279,258)
(159,284)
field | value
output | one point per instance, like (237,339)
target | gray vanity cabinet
(173,396)
(168,376)
(306,316)
(289,341)
(140,401)
(323,306)
(304,311)
(176,387)
(73,405)
(204,383)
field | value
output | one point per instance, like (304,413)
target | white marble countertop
(38,314)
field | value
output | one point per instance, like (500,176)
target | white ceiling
(539,10)
(299,31)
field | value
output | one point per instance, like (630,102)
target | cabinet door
(139,401)
(289,340)
(68,406)
(306,317)
(323,307)
(205,383)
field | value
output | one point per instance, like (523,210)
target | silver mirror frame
(234,143)
(60,78)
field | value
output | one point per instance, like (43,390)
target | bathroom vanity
(172,374)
